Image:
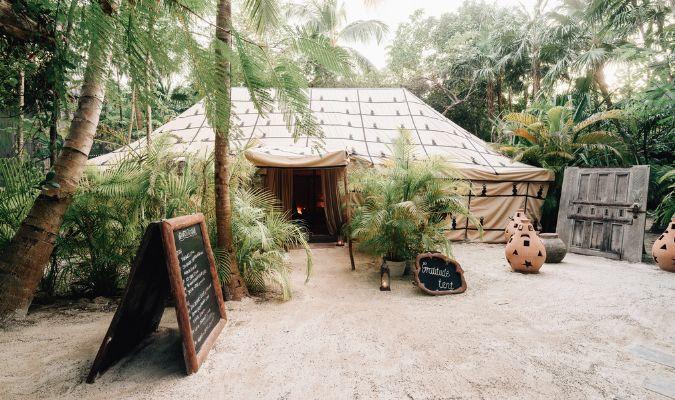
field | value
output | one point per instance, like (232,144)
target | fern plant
(666,208)
(19,186)
(402,208)
(103,227)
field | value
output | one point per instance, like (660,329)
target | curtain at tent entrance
(279,181)
(330,186)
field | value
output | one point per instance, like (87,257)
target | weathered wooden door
(602,211)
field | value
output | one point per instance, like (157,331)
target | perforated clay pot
(663,249)
(512,225)
(525,251)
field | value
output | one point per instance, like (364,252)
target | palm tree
(555,139)
(328,18)
(268,78)
(223,104)
(586,46)
(114,28)
(560,137)
(534,36)
(23,260)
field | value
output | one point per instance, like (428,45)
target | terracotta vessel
(398,268)
(524,251)
(663,249)
(555,247)
(512,225)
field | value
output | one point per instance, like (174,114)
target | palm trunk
(139,114)
(510,99)
(490,99)
(119,95)
(23,261)
(19,128)
(499,93)
(237,287)
(132,115)
(148,106)
(148,123)
(536,76)
(599,79)
(53,129)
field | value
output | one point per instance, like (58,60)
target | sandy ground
(588,328)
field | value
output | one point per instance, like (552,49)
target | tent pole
(349,218)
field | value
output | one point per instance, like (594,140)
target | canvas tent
(360,124)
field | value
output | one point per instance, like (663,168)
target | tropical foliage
(326,20)
(559,136)
(509,74)
(19,185)
(666,209)
(97,242)
(403,208)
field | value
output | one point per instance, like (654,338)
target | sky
(394,12)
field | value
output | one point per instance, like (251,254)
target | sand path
(583,329)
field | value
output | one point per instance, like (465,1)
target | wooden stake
(349,218)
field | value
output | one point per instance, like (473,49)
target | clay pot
(398,268)
(512,225)
(555,247)
(663,249)
(524,251)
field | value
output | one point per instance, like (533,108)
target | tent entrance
(309,203)
(310,196)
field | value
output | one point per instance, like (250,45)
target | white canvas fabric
(363,123)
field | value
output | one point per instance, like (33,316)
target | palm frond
(597,117)
(263,14)
(364,31)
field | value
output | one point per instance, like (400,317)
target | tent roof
(362,122)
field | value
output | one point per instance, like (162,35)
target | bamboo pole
(349,218)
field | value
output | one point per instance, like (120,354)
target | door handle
(635,209)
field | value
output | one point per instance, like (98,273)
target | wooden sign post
(175,258)
(437,274)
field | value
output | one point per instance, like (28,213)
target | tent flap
(266,159)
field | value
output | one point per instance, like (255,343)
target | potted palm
(402,207)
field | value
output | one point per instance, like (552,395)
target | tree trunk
(536,76)
(133,114)
(148,123)
(119,94)
(148,106)
(510,99)
(23,261)
(490,99)
(19,128)
(499,93)
(139,114)
(237,287)
(599,79)
(54,129)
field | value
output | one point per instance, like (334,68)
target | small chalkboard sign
(175,258)
(437,274)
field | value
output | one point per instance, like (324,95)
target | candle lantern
(385,278)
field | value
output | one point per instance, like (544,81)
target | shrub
(104,226)
(403,207)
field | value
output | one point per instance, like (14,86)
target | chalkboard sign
(200,294)
(175,258)
(194,283)
(437,274)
